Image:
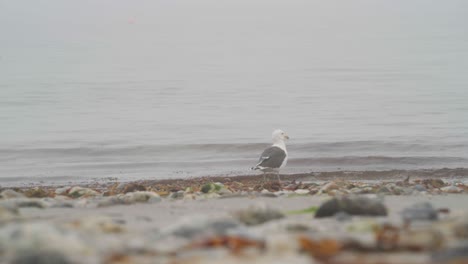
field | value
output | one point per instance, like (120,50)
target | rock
(190,196)
(328,187)
(211,187)
(256,215)
(389,237)
(77,192)
(18,238)
(211,196)
(62,190)
(435,183)
(451,189)
(27,202)
(224,192)
(353,205)
(420,211)
(8,194)
(31,202)
(283,192)
(198,226)
(36,193)
(362,190)
(176,195)
(140,197)
(133,187)
(107,201)
(399,190)
(98,224)
(302,191)
(384,190)
(268,194)
(40,257)
(419,188)
(60,201)
(129,198)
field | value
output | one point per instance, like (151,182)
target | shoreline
(363,219)
(447,174)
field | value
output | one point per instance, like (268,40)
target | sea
(158,89)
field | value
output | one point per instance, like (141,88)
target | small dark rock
(133,187)
(39,257)
(36,193)
(420,188)
(197,227)
(384,190)
(420,211)
(435,183)
(177,195)
(352,205)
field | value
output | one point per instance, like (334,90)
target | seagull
(275,157)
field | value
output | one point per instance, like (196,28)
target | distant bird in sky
(275,157)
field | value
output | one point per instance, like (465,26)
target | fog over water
(181,88)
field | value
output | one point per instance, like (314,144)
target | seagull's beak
(286,136)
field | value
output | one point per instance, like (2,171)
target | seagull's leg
(264,178)
(279,179)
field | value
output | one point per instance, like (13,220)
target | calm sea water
(181,88)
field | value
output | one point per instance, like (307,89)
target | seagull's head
(279,134)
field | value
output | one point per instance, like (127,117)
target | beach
(396,219)
(129,130)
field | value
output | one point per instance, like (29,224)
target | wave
(376,160)
(233,148)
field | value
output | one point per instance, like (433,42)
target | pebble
(40,257)
(36,192)
(281,243)
(198,226)
(211,187)
(266,193)
(133,187)
(420,211)
(62,190)
(98,224)
(130,198)
(26,202)
(8,194)
(353,205)
(302,191)
(177,195)
(41,236)
(435,183)
(419,188)
(328,187)
(259,214)
(77,191)
(451,189)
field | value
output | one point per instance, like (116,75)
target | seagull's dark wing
(271,157)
